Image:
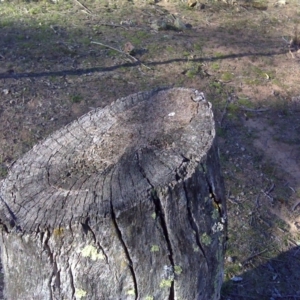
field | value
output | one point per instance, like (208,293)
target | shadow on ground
(277,278)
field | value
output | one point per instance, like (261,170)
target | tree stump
(126,202)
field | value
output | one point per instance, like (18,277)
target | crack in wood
(212,193)
(13,221)
(86,173)
(54,276)
(71,281)
(119,234)
(161,215)
(192,221)
(87,228)
(55,281)
(130,265)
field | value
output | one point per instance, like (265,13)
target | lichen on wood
(127,202)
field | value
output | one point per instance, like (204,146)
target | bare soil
(244,56)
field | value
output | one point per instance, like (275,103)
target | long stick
(252,256)
(115,49)
(85,8)
(254,110)
(112,25)
(120,51)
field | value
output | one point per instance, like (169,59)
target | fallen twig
(271,198)
(267,192)
(287,42)
(112,25)
(122,52)
(254,110)
(84,7)
(252,256)
(115,49)
(293,242)
(270,189)
(295,205)
(233,201)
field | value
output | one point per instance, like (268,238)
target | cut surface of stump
(126,202)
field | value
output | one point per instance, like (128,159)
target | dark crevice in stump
(192,221)
(161,217)
(130,265)
(125,203)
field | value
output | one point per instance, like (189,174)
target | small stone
(6,91)
(281,2)
(159,25)
(178,24)
(199,96)
(229,259)
(236,279)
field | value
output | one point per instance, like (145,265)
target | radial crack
(119,233)
(52,279)
(72,281)
(160,212)
(192,220)
(213,194)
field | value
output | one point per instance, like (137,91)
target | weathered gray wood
(125,203)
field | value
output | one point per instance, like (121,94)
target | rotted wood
(126,202)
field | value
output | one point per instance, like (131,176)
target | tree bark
(126,202)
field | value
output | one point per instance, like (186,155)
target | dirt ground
(244,56)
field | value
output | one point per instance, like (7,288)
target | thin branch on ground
(254,110)
(84,7)
(267,192)
(233,201)
(267,195)
(295,205)
(252,256)
(120,51)
(112,25)
(270,189)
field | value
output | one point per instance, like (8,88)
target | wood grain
(126,202)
